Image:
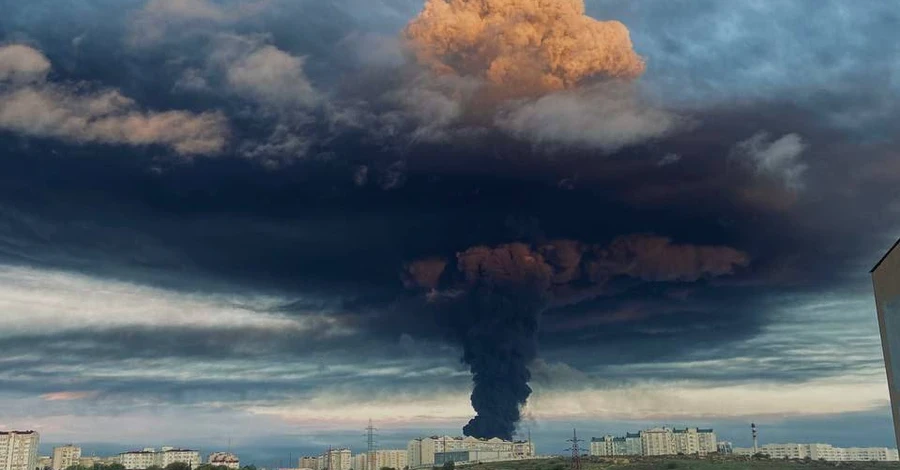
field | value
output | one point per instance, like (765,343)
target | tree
(154,467)
(449,465)
(178,466)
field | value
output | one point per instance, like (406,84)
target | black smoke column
(497,324)
(500,342)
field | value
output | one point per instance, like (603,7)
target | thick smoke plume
(499,294)
(524,46)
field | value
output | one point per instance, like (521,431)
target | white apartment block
(336,459)
(139,459)
(427,451)
(142,459)
(630,444)
(19,450)
(823,452)
(309,463)
(171,455)
(385,458)
(359,462)
(65,457)
(657,441)
(224,459)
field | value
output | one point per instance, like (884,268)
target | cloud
(779,159)
(67,396)
(522,45)
(273,77)
(160,19)
(22,64)
(603,117)
(274,85)
(45,109)
(39,302)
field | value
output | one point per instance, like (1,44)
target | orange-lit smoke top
(525,46)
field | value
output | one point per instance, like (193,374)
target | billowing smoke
(495,296)
(524,46)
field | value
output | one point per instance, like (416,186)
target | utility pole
(576,452)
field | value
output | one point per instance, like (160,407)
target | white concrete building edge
(19,450)
(65,457)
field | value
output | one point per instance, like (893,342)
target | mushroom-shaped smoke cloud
(495,296)
(524,46)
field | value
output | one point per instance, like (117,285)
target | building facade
(224,459)
(19,450)
(65,457)
(45,462)
(139,459)
(657,441)
(309,463)
(725,447)
(336,459)
(427,451)
(170,455)
(149,457)
(823,452)
(886,282)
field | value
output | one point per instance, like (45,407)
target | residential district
(19,451)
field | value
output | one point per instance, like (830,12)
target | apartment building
(19,450)
(149,457)
(65,457)
(310,463)
(657,441)
(335,459)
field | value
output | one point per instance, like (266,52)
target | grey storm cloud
(778,158)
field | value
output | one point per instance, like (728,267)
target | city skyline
(268,221)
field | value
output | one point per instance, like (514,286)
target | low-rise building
(45,462)
(422,452)
(823,452)
(224,459)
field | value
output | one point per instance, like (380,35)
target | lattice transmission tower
(576,450)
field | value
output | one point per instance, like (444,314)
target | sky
(269,221)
